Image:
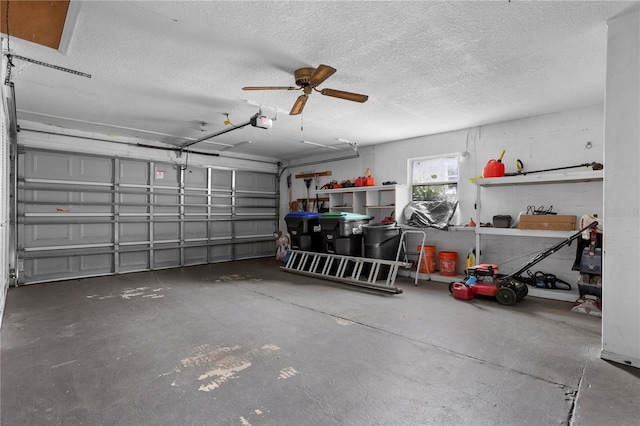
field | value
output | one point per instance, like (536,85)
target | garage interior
(153,151)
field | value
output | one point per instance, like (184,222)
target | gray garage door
(82,215)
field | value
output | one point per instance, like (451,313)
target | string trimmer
(593,165)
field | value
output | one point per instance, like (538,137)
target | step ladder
(403,254)
(357,271)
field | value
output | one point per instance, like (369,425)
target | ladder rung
(359,271)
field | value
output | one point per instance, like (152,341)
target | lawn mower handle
(548,252)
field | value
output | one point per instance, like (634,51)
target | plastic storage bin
(305,231)
(381,240)
(342,232)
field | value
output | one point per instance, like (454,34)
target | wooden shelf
(360,189)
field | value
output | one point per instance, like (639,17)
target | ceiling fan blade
(270,88)
(297,107)
(355,97)
(321,73)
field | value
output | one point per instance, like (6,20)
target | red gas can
(461,291)
(494,168)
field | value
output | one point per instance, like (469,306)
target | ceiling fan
(307,79)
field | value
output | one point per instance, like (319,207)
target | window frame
(440,183)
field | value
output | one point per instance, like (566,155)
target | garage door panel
(255,249)
(96,264)
(133,232)
(47,196)
(165,203)
(58,166)
(221,179)
(195,204)
(95,169)
(48,268)
(250,181)
(53,268)
(221,205)
(255,227)
(134,261)
(163,231)
(195,255)
(218,229)
(134,203)
(196,178)
(42,235)
(95,233)
(165,175)
(83,215)
(40,165)
(134,172)
(166,258)
(195,230)
(50,235)
(220,253)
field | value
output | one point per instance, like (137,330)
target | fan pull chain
(301,122)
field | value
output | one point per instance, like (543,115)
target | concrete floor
(246,344)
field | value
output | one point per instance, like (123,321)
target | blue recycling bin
(305,231)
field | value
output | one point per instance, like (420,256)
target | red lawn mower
(485,280)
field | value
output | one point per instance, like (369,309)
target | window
(434,178)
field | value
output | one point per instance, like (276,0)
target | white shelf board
(450,228)
(514,232)
(543,178)
(359,189)
(380,207)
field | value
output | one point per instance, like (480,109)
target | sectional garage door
(82,215)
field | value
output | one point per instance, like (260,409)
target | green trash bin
(342,232)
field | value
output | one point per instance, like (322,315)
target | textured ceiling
(162,69)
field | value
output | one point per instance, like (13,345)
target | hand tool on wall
(306,201)
(593,165)
(289,186)
(316,179)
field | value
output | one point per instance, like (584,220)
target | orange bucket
(429,259)
(447,261)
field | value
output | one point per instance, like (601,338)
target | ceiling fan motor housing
(303,75)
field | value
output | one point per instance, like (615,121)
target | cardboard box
(550,222)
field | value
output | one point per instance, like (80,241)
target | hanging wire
(10,65)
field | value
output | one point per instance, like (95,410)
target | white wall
(542,142)
(621,291)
